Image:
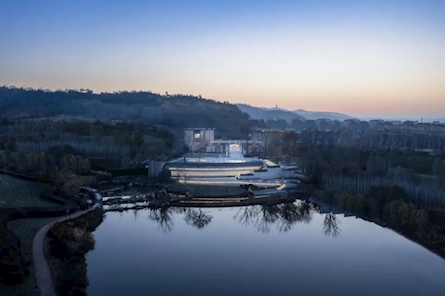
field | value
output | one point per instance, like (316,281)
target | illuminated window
(197,136)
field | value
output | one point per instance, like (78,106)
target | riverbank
(64,250)
(26,206)
(390,208)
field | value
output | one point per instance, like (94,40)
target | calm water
(282,250)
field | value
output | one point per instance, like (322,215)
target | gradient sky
(364,58)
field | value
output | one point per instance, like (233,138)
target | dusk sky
(363,58)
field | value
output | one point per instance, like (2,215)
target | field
(25,229)
(20,193)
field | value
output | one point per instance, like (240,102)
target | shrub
(101,176)
(360,204)
(373,207)
(394,211)
(351,203)
(328,196)
(343,202)
(422,219)
(403,213)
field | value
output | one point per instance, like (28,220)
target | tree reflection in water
(330,225)
(192,216)
(195,217)
(261,217)
(162,216)
(285,215)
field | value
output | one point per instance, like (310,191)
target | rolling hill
(279,113)
(178,111)
(265,114)
(320,114)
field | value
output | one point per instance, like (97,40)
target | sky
(364,58)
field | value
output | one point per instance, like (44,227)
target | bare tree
(197,218)
(330,225)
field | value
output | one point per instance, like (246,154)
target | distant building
(349,122)
(396,122)
(198,138)
(323,121)
(410,122)
(376,123)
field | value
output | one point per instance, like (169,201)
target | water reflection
(196,217)
(217,246)
(283,216)
(261,217)
(162,216)
(330,225)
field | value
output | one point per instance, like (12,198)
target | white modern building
(198,138)
(232,169)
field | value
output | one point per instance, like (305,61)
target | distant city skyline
(362,58)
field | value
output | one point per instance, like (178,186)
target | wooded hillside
(171,110)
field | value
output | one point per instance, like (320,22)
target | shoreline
(20,224)
(65,251)
(45,282)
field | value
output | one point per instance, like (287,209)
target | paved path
(41,269)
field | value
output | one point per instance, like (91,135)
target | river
(288,249)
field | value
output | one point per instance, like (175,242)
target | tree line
(134,141)
(354,169)
(179,110)
(388,205)
(375,139)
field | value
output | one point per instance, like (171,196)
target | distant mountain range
(265,114)
(405,119)
(319,114)
(279,113)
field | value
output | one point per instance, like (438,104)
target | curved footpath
(41,269)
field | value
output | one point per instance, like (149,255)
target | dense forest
(127,141)
(374,139)
(73,137)
(354,167)
(177,110)
(73,153)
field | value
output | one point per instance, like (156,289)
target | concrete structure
(198,138)
(321,121)
(349,122)
(154,168)
(223,146)
(231,170)
(375,123)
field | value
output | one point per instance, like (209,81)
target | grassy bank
(65,248)
(25,230)
(18,198)
(16,193)
(24,209)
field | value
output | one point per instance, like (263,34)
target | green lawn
(20,193)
